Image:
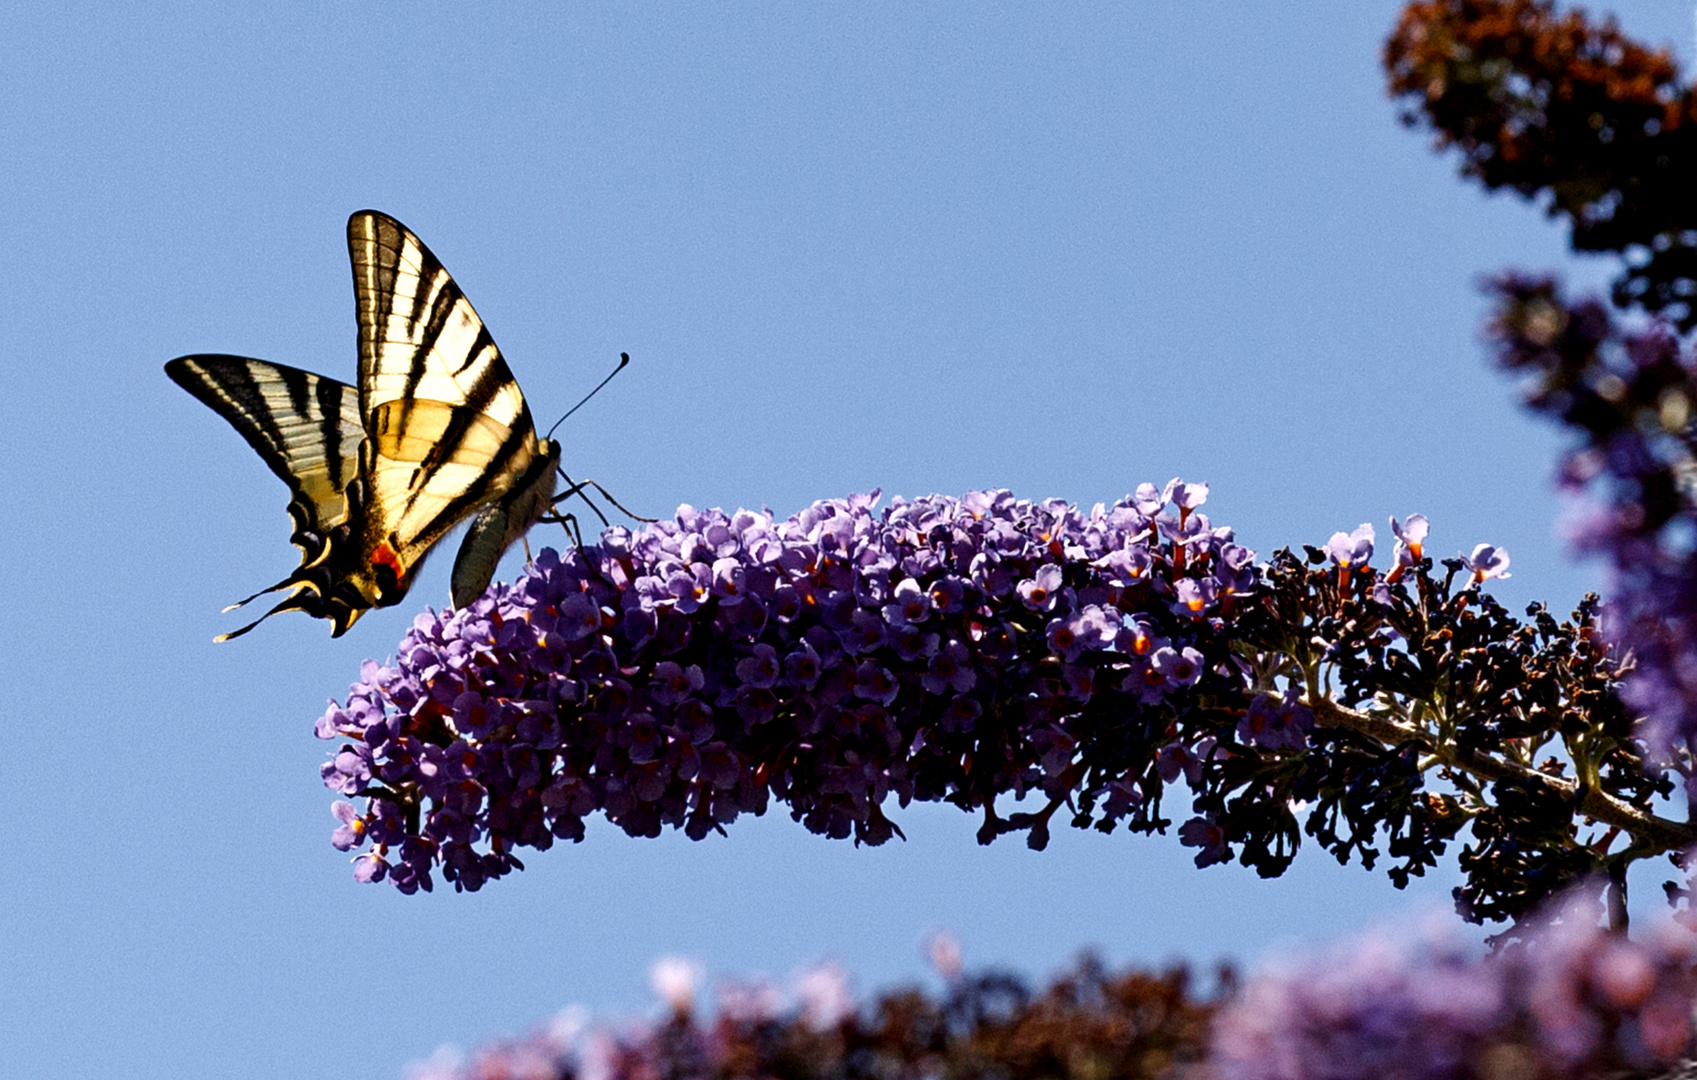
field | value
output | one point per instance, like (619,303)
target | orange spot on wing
(384,555)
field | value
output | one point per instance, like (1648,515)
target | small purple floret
(1488,562)
(1349,550)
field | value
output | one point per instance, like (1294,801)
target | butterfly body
(436,432)
(499,526)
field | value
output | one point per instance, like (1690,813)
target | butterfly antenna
(624,358)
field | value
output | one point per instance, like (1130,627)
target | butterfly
(436,432)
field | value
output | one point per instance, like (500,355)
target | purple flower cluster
(684,674)
(1571,1000)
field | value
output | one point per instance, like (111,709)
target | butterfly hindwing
(306,428)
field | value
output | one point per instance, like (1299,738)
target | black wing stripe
(300,392)
(493,377)
(373,244)
(228,385)
(489,383)
(445,299)
(436,287)
(431,286)
(243,389)
(333,397)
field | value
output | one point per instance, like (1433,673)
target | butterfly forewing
(450,429)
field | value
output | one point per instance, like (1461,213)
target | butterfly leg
(605,494)
(577,487)
(568,522)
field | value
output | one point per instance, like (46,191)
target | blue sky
(1058,251)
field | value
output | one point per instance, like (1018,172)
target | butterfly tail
(287,582)
(292,602)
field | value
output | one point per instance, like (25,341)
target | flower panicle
(682,674)
(940,649)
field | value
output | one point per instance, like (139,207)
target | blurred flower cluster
(1566,1001)
(1570,111)
(1628,395)
(1088,1024)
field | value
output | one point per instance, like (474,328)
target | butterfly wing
(307,429)
(450,433)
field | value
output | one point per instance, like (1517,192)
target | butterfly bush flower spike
(841,661)
(685,674)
